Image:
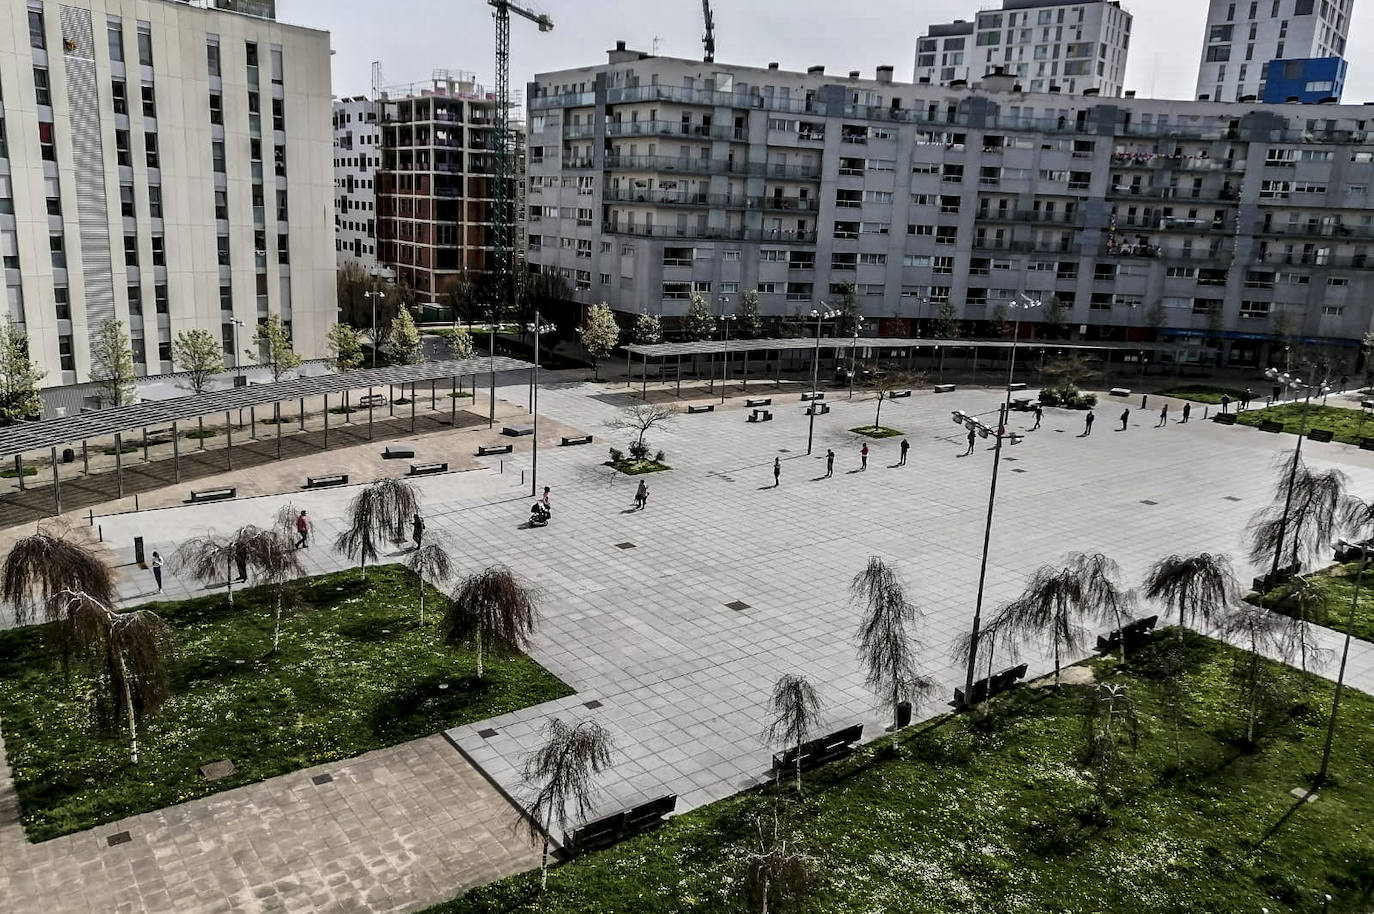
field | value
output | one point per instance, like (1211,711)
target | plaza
(670,623)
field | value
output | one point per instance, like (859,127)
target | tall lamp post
(1017,307)
(373,296)
(1321,388)
(238,356)
(725,320)
(819,316)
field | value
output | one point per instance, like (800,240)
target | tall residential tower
(1249,43)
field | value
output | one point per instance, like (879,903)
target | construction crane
(709,39)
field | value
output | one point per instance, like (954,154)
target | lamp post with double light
(725,319)
(1284,380)
(372,296)
(819,316)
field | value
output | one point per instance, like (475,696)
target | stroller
(539,515)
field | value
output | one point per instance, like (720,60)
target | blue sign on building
(1306,80)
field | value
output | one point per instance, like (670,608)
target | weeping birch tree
(887,647)
(561,774)
(495,609)
(794,711)
(378,514)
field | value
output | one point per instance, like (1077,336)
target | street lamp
(373,296)
(1017,307)
(725,320)
(237,356)
(854,353)
(819,316)
(1321,388)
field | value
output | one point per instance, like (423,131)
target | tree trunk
(767,883)
(879,413)
(1254,698)
(480,670)
(422,602)
(229,579)
(799,784)
(1056,662)
(544,865)
(276,626)
(129,708)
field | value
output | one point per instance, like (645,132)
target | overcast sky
(412,38)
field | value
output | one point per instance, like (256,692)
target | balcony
(696,201)
(710,233)
(673,129)
(1314,230)
(1031,216)
(710,166)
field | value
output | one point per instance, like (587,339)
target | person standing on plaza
(972,437)
(829,463)
(642,495)
(1226,403)
(1125,417)
(1245,402)
(863,457)
(1187,408)
(906,446)
(777,471)
(1088,423)
(417,530)
(544,500)
(1163,416)
(1039,414)
(156,563)
(302,531)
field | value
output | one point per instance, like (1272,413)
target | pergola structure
(50,434)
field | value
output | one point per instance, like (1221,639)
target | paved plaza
(673,622)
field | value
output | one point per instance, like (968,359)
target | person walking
(1226,403)
(777,471)
(241,562)
(829,463)
(417,530)
(1125,417)
(302,531)
(156,563)
(1088,423)
(972,437)
(1039,414)
(1245,401)
(1345,382)
(863,457)
(906,446)
(642,495)
(1187,408)
(1163,416)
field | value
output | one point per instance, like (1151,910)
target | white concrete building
(147,146)
(357,156)
(1073,44)
(1244,35)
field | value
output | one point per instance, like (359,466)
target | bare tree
(1357,517)
(1303,516)
(273,556)
(777,876)
(1300,603)
(377,514)
(42,565)
(795,710)
(641,418)
(1110,726)
(209,559)
(992,634)
(495,609)
(1169,669)
(1193,586)
(1261,631)
(886,647)
(561,773)
(430,562)
(885,383)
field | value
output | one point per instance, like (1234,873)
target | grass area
(197,434)
(11,473)
(1335,585)
(1349,424)
(127,447)
(354,672)
(637,467)
(995,813)
(460,393)
(344,410)
(1201,393)
(877,431)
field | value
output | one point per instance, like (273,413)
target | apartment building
(144,165)
(1075,45)
(436,183)
(1247,40)
(357,156)
(651,179)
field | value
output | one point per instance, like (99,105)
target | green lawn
(1349,424)
(1336,585)
(993,815)
(881,431)
(355,672)
(1201,393)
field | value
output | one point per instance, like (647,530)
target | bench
(1224,418)
(703,408)
(817,752)
(899,395)
(398,453)
(569,441)
(992,686)
(1132,635)
(1320,434)
(761,415)
(372,400)
(815,395)
(1346,551)
(625,824)
(217,494)
(1017,385)
(1021,404)
(1267,582)
(1268,426)
(425,469)
(764,401)
(1119,392)
(324,482)
(818,409)
(1367,444)
(944,388)
(487,450)
(517,431)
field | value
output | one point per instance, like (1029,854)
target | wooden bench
(398,453)
(1017,385)
(1320,434)
(763,401)
(1224,418)
(426,469)
(815,395)
(324,482)
(1269,426)
(818,409)
(570,440)
(1021,404)
(817,752)
(702,408)
(899,395)
(992,686)
(217,494)
(1119,392)
(761,415)
(487,450)
(372,400)
(1132,635)
(517,431)
(625,824)
(1367,444)
(944,388)
(1267,582)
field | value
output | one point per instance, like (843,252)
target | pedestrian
(1125,417)
(1245,403)
(972,437)
(544,500)
(1039,414)
(417,530)
(1088,423)
(863,457)
(777,471)
(1226,403)
(906,446)
(156,564)
(829,463)
(1163,416)
(1187,408)
(1345,381)
(302,531)
(241,561)
(642,495)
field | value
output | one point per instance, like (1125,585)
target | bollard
(138,552)
(1205,411)
(522,477)
(1144,398)
(503,466)
(91,518)
(135,501)
(101,530)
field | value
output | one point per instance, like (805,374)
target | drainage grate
(624,545)
(487,733)
(738,606)
(1146,501)
(319,779)
(1011,459)
(1017,470)
(1232,498)
(591,705)
(117,839)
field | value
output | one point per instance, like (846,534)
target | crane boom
(540,19)
(709,39)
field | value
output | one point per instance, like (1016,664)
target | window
(276,59)
(849,198)
(150,147)
(1254,309)
(873,259)
(943,266)
(731,256)
(843,261)
(159,251)
(160,302)
(149,100)
(677,257)
(59,256)
(584,248)
(222,250)
(283,249)
(800,291)
(221,205)
(677,291)
(952,173)
(916,261)
(278,115)
(145,45)
(216,108)
(876,228)
(41,91)
(768,288)
(47,146)
(772,254)
(946,234)
(251,49)
(216,155)
(130,250)
(923,199)
(154,201)
(604,278)
(119,93)
(877,196)
(920,229)
(126,201)
(61,298)
(701,287)
(846,230)
(1219,53)
(122,155)
(212,56)
(36,30)
(114,35)
(1337,281)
